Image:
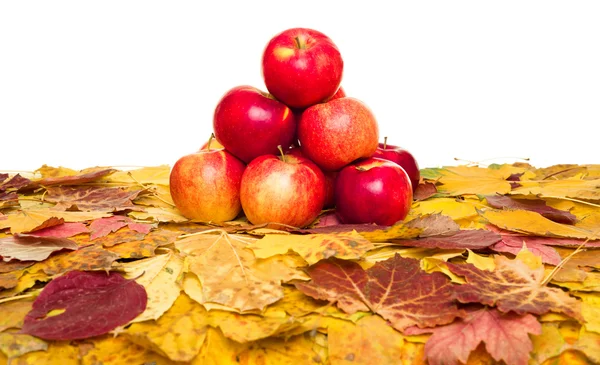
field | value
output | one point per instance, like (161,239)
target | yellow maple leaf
(462,180)
(569,188)
(227,272)
(160,276)
(313,247)
(590,309)
(178,334)
(372,341)
(548,344)
(589,343)
(307,348)
(529,222)
(111,350)
(158,175)
(14,344)
(451,207)
(219,350)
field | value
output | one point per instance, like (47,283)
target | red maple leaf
(103,226)
(505,336)
(474,239)
(396,289)
(94,303)
(513,286)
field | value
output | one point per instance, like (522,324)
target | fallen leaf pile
(493,265)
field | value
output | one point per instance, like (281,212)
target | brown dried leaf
(397,289)
(32,248)
(92,198)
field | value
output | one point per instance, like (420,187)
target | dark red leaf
(15,183)
(8,199)
(534,205)
(396,289)
(94,303)
(514,244)
(474,239)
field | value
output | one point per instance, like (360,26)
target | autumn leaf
(514,243)
(61,352)
(90,304)
(474,239)
(451,207)
(92,198)
(397,289)
(306,348)
(424,191)
(16,344)
(13,312)
(14,183)
(29,220)
(219,350)
(145,247)
(513,286)
(178,334)
(461,180)
(8,199)
(534,205)
(370,341)
(226,270)
(160,276)
(573,188)
(103,226)
(313,247)
(158,175)
(64,230)
(505,336)
(85,259)
(77,178)
(32,248)
(533,223)
(111,350)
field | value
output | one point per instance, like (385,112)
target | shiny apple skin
(403,158)
(250,123)
(205,186)
(290,192)
(338,132)
(305,72)
(373,190)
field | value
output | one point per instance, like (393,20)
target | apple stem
(384,142)
(299,43)
(212,135)
(282,154)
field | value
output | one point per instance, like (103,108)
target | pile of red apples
(286,155)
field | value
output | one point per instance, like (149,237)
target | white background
(135,83)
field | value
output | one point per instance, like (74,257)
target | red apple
(250,123)
(335,133)
(403,158)
(330,177)
(287,189)
(302,67)
(205,185)
(373,190)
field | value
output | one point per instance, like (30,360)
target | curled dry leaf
(534,205)
(89,304)
(32,248)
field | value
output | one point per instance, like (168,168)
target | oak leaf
(534,205)
(92,303)
(178,334)
(513,286)
(32,248)
(397,289)
(227,272)
(505,336)
(313,247)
